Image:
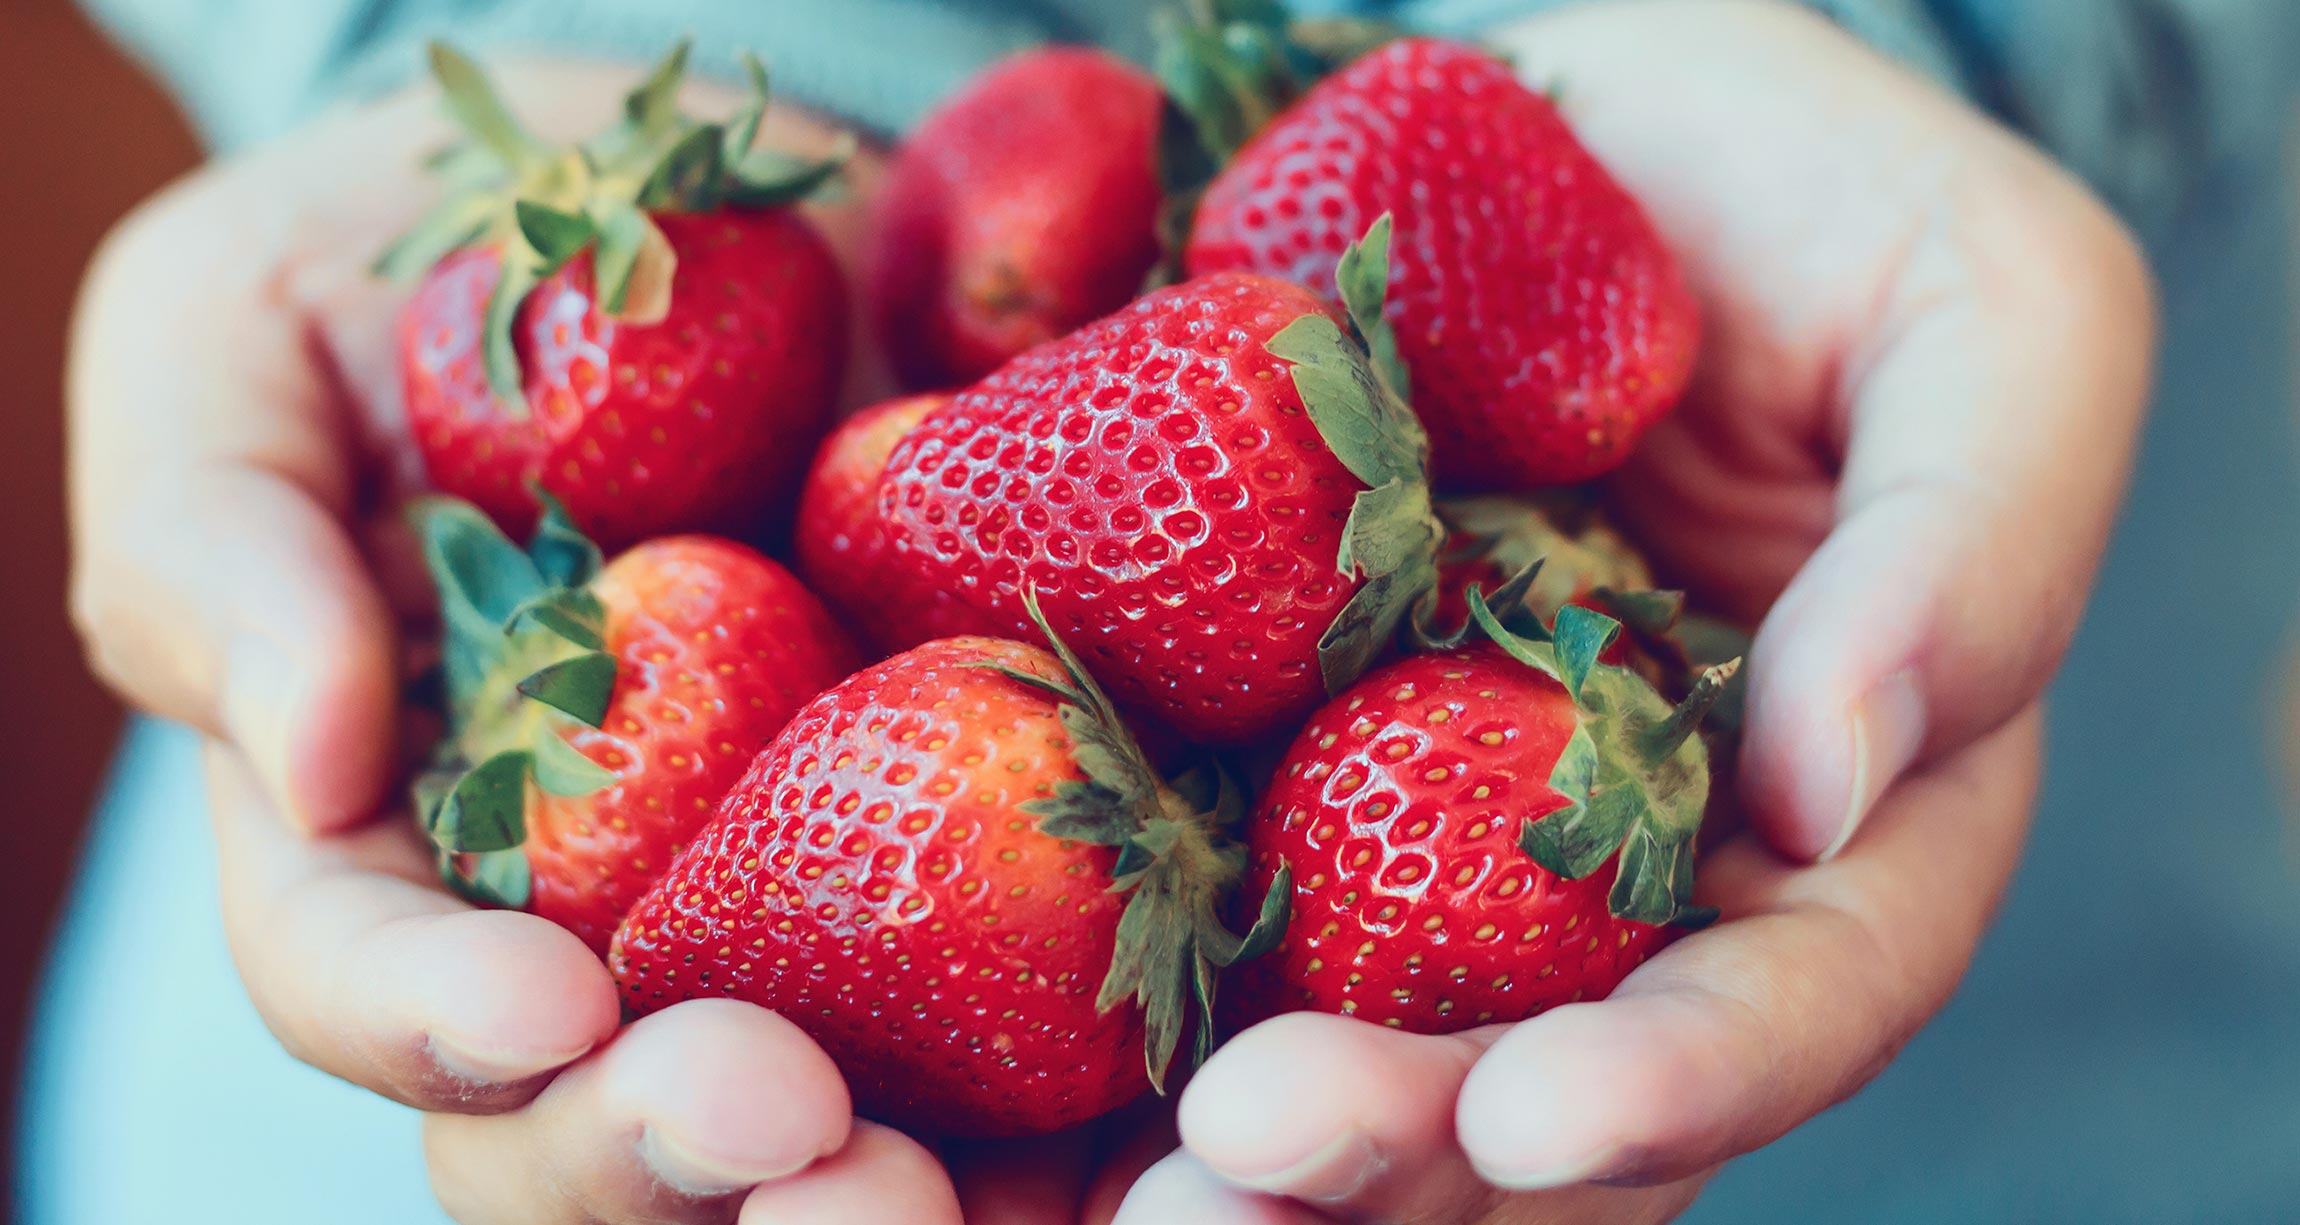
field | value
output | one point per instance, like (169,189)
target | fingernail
(485,1066)
(679,1166)
(1888,726)
(1337,1171)
(259,687)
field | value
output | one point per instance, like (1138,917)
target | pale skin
(1928,351)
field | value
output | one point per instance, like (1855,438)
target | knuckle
(2082,257)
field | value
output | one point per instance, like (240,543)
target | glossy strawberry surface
(1020,209)
(1399,808)
(1156,477)
(840,541)
(699,421)
(874,879)
(715,648)
(1544,322)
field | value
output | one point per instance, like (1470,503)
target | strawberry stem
(1662,738)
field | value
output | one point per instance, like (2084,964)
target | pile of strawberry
(1248,630)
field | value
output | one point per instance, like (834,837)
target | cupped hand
(1927,355)
(240,567)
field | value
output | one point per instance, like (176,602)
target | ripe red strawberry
(1022,208)
(598,714)
(1480,833)
(840,541)
(953,871)
(1219,502)
(550,342)
(1544,322)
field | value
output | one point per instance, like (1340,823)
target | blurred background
(83,136)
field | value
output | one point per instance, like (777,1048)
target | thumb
(1990,427)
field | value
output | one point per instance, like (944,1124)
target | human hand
(241,568)
(1927,355)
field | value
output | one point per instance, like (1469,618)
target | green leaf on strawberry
(545,205)
(1175,860)
(522,664)
(1350,384)
(1634,774)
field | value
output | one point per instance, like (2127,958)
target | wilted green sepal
(1391,540)
(581,686)
(1269,922)
(492,878)
(573,613)
(486,810)
(479,110)
(508,611)
(1175,861)
(1651,614)
(482,579)
(765,178)
(690,176)
(1363,278)
(555,236)
(1634,776)
(563,555)
(455,223)
(1579,637)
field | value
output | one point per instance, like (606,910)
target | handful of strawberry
(1202,520)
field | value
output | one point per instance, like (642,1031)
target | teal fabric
(878,62)
(2135,94)
(2123,1051)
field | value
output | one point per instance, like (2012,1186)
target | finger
(1736,1034)
(1340,1114)
(676,1120)
(215,579)
(880,1175)
(366,970)
(1990,439)
(1962,334)
(1181,1188)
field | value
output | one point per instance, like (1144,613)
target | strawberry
(1584,559)
(1545,323)
(841,544)
(1578,556)
(1216,495)
(549,341)
(597,713)
(1020,209)
(1481,832)
(931,870)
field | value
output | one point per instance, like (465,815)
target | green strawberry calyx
(1176,861)
(524,665)
(1353,387)
(1583,557)
(1634,774)
(543,205)
(1227,68)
